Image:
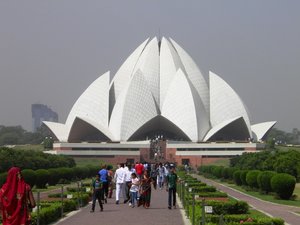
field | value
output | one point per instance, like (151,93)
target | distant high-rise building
(42,113)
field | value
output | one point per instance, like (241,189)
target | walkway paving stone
(157,214)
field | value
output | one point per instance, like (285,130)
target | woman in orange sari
(15,199)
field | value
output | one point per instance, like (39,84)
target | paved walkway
(157,214)
(287,213)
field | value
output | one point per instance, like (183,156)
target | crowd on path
(133,183)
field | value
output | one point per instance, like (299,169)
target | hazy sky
(51,51)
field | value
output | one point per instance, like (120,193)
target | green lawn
(254,213)
(297,191)
(222,162)
(269,198)
(84,161)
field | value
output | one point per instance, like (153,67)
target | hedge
(230,207)
(251,178)
(2,178)
(54,176)
(66,173)
(29,176)
(217,171)
(237,219)
(42,176)
(243,176)
(283,185)
(228,173)
(216,194)
(81,172)
(264,181)
(237,177)
(204,189)
(47,215)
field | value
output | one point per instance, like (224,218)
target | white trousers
(120,189)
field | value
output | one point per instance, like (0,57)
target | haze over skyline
(51,51)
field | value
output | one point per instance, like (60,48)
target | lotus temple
(159,106)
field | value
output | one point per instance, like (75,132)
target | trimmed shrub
(264,181)
(217,171)
(204,189)
(196,184)
(251,178)
(228,173)
(54,176)
(42,176)
(243,177)
(81,172)
(203,169)
(236,219)
(47,214)
(237,177)
(66,173)
(283,185)
(216,194)
(3,178)
(230,207)
(93,170)
(29,176)
(70,205)
(231,172)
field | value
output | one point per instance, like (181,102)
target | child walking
(134,189)
(97,186)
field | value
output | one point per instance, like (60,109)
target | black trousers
(97,196)
(105,190)
(127,189)
(172,194)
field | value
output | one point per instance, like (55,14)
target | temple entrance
(157,149)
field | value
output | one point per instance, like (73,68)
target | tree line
(275,160)
(282,137)
(30,159)
(14,135)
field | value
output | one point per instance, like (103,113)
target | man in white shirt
(120,182)
(129,170)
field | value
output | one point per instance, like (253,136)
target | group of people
(134,184)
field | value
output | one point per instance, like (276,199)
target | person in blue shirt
(97,186)
(103,173)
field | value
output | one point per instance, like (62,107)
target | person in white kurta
(120,182)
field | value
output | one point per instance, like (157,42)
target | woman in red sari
(15,199)
(145,190)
